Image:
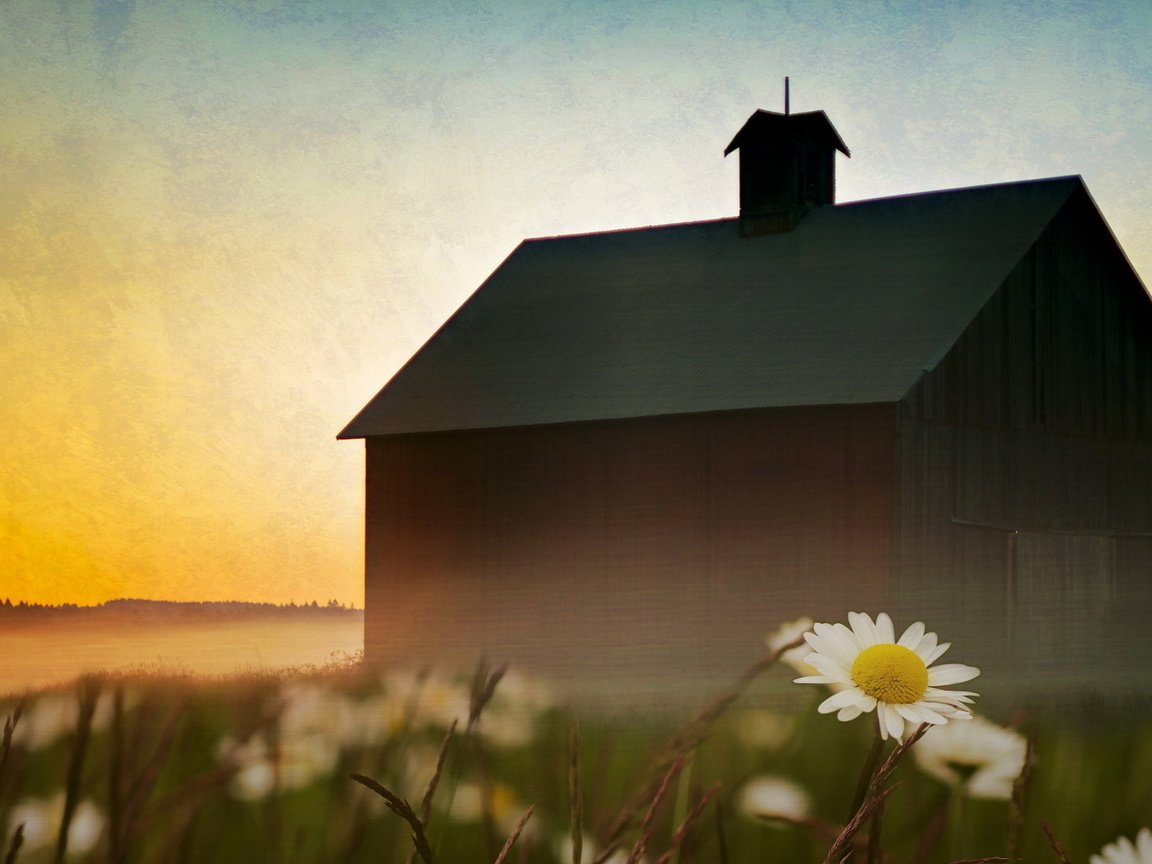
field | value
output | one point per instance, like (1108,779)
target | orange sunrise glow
(226,227)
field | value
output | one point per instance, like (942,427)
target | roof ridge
(980,187)
(693,223)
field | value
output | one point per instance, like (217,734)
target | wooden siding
(654,550)
(1026,460)
(1065,345)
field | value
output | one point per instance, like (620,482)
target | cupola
(787,168)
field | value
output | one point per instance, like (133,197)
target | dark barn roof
(849,308)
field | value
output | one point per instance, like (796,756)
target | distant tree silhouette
(166,609)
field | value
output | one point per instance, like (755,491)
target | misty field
(42,652)
(343,763)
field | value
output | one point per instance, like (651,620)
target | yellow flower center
(890,673)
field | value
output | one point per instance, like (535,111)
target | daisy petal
(828,642)
(918,713)
(849,712)
(951,673)
(831,642)
(845,643)
(825,665)
(911,637)
(891,723)
(946,703)
(926,647)
(884,628)
(946,710)
(836,701)
(1144,844)
(936,653)
(935,693)
(864,629)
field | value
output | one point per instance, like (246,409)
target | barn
(630,454)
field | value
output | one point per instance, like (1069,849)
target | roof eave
(749,128)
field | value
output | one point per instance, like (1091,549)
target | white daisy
(1124,851)
(768,795)
(41,818)
(790,631)
(893,677)
(980,758)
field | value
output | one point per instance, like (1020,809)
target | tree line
(172,608)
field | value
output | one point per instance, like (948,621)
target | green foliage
(261,769)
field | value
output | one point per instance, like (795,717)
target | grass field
(261,769)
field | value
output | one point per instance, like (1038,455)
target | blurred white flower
(51,716)
(769,795)
(370,721)
(620,856)
(427,699)
(525,691)
(507,728)
(980,758)
(507,810)
(562,849)
(85,829)
(48,718)
(395,708)
(509,719)
(301,759)
(41,818)
(253,782)
(433,700)
(442,701)
(467,805)
(1124,851)
(788,632)
(306,707)
(760,728)
(254,777)
(418,767)
(295,761)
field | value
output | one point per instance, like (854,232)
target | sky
(224,225)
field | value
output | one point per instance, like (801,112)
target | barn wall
(1064,346)
(1027,460)
(649,550)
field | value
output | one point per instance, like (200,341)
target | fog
(43,654)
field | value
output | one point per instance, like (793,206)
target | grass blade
(402,809)
(514,835)
(575,794)
(1054,843)
(14,846)
(88,693)
(9,727)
